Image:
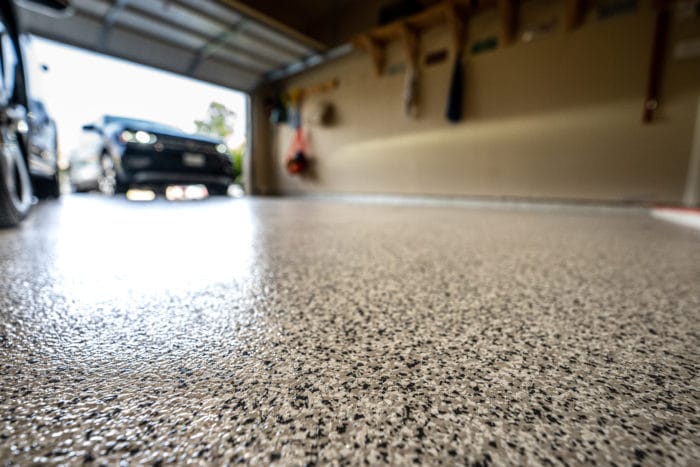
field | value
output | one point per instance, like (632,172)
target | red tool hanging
(296,158)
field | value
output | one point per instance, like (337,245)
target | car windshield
(109,119)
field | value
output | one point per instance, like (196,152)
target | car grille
(186,145)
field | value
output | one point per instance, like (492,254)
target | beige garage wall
(559,117)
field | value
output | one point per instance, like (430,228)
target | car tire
(108,182)
(16,192)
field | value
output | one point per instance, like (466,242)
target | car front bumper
(146,166)
(164,178)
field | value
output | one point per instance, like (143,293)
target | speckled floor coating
(323,332)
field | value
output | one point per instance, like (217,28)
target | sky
(80,86)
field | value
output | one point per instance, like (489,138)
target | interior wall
(692,186)
(559,117)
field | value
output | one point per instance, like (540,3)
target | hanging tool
(656,65)
(455,98)
(412,84)
(456,95)
(296,159)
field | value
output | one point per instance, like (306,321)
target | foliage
(220,123)
(237,159)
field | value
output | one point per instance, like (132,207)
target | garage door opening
(125,128)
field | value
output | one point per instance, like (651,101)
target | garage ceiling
(220,41)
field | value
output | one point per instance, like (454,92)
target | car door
(42,140)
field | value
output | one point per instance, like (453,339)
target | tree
(219,123)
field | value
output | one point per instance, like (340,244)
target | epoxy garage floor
(313,332)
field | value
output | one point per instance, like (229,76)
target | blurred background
(79,86)
(572,100)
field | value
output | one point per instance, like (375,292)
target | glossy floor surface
(312,332)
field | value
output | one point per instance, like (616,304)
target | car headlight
(145,137)
(126,137)
(140,136)
(221,148)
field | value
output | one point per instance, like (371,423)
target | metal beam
(109,20)
(214,44)
(83,31)
(205,39)
(159,39)
(260,56)
(260,42)
(262,66)
(308,62)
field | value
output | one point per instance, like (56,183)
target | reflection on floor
(302,332)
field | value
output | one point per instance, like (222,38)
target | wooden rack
(454,14)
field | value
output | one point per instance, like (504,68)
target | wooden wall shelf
(452,13)
(455,13)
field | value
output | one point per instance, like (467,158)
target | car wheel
(107,181)
(15,183)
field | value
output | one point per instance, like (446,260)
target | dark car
(42,145)
(118,153)
(27,134)
(42,138)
